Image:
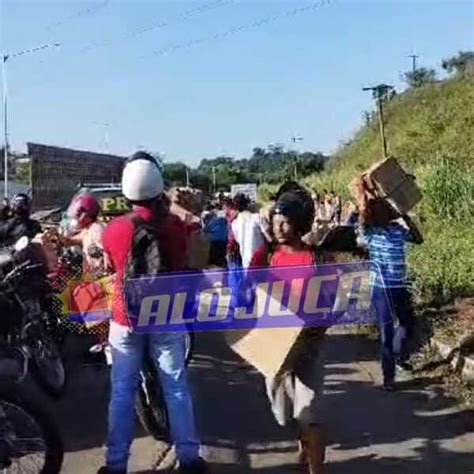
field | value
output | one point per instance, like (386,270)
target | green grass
(430,130)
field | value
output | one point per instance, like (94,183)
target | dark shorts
(217,254)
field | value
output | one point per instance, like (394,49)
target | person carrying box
(386,233)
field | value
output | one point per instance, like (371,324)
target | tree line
(460,65)
(273,164)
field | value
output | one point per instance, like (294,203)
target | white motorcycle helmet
(142,178)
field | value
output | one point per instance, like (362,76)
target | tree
(201,181)
(271,165)
(258,152)
(276,149)
(460,63)
(420,77)
(22,172)
(174,174)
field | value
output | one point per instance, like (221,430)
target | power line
(220,35)
(30,50)
(186,15)
(238,29)
(79,14)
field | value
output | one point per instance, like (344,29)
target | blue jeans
(235,277)
(167,351)
(391,303)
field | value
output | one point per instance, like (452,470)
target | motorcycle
(150,403)
(25,324)
(29,440)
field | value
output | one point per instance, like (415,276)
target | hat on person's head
(298,207)
(21,204)
(142,179)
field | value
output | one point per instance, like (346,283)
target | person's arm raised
(362,199)
(415,235)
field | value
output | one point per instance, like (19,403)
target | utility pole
(104,144)
(5,124)
(414,57)
(5,58)
(379,93)
(214,181)
(187,177)
(106,137)
(295,139)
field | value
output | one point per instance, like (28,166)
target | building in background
(56,173)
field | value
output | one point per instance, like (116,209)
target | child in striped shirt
(386,235)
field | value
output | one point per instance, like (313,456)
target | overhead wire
(32,50)
(185,16)
(238,29)
(216,36)
(85,11)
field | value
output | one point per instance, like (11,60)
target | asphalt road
(417,430)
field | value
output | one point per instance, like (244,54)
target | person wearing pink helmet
(83,213)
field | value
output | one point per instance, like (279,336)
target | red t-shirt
(282,257)
(117,241)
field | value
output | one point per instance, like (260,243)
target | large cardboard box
(266,349)
(388,180)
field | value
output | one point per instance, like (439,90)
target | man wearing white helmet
(142,184)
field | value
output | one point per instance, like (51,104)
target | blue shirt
(387,254)
(217,229)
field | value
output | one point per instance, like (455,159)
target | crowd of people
(234,233)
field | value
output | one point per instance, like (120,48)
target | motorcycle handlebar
(21,269)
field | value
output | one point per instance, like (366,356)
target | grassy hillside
(431,131)
(423,126)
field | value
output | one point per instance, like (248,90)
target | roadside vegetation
(430,130)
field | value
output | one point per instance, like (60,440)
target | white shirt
(248,234)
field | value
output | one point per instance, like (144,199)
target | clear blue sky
(299,74)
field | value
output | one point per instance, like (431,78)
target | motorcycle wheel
(48,367)
(151,405)
(151,409)
(29,441)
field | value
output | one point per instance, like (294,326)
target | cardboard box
(265,349)
(388,180)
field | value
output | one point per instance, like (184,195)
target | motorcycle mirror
(21,244)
